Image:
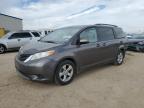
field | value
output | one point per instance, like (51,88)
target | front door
(14,41)
(87,52)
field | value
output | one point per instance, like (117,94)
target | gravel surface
(99,87)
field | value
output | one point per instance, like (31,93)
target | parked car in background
(14,40)
(136,42)
(45,32)
(63,53)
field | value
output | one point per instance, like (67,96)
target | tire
(119,57)
(138,49)
(142,50)
(63,76)
(2,49)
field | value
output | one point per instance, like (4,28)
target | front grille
(23,57)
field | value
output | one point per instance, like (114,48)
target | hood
(35,47)
(2,40)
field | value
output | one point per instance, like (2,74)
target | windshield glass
(6,35)
(60,35)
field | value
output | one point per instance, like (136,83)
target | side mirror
(84,41)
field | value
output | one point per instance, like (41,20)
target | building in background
(9,23)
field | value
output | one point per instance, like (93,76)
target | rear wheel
(119,58)
(138,49)
(65,72)
(2,49)
(142,50)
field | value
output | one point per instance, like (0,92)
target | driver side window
(89,35)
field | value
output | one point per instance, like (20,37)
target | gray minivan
(63,53)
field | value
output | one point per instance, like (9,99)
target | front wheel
(2,49)
(119,58)
(65,72)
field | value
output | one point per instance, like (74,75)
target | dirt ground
(100,87)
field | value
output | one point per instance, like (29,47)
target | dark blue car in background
(136,42)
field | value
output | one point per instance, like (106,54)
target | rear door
(26,37)
(106,43)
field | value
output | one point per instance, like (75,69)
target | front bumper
(37,70)
(33,77)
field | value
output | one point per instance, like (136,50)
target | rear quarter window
(119,33)
(105,33)
(36,34)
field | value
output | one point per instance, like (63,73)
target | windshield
(60,35)
(6,35)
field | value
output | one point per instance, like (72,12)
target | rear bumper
(38,70)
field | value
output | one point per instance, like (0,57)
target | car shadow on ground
(36,84)
(82,74)
(92,70)
(8,52)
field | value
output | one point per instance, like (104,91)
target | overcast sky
(42,14)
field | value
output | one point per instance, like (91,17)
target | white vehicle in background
(14,40)
(45,32)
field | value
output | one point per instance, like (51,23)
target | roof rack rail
(107,25)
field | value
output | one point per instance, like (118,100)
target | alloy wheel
(120,58)
(66,73)
(1,49)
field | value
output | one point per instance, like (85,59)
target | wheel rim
(120,58)
(66,73)
(1,49)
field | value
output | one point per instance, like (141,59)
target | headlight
(40,55)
